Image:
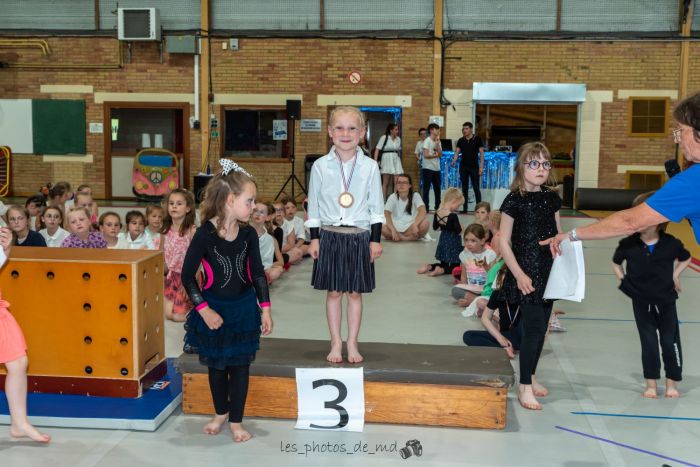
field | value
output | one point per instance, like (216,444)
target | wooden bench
(408,384)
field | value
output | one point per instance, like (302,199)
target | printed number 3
(342,394)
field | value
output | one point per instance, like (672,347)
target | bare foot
(672,389)
(28,431)
(423,269)
(353,353)
(438,271)
(335,355)
(214,426)
(238,433)
(650,391)
(527,398)
(463,302)
(539,390)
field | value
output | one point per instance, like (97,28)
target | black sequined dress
(533,221)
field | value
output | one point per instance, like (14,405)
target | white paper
(279,130)
(331,399)
(3,257)
(567,279)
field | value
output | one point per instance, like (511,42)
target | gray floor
(594,367)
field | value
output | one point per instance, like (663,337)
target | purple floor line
(626,446)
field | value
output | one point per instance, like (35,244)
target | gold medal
(345,199)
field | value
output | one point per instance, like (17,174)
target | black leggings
(465,176)
(664,319)
(432,177)
(535,321)
(229,389)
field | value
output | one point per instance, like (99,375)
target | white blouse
(326,185)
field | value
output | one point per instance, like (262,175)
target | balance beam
(408,384)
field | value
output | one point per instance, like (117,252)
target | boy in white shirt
(432,153)
(297,223)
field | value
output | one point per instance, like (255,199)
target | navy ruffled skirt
(238,338)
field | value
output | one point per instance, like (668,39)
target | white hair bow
(227,165)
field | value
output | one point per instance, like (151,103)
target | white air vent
(138,24)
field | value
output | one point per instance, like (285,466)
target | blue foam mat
(143,414)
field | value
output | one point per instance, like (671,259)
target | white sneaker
(426,238)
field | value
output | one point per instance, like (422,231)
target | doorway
(131,126)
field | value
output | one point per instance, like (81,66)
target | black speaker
(200,184)
(294,109)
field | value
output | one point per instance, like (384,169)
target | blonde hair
(347,109)
(75,209)
(526,153)
(495,219)
(451,194)
(216,194)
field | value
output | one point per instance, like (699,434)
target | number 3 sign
(330,399)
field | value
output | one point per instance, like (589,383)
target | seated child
(506,332)
(80,234)
(285,236)
(84,200)
(110,225)
(154,223)
(34,206)
(475,260)
(271,257)
(450,243)
(135,237)
(18,221)
(297,224)
(52,220)
(482,211)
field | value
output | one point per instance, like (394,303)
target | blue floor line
(651,417)
(627,446)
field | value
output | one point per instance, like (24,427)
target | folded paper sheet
(567,279)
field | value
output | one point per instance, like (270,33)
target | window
(249,133)
(648,116)
(132,127)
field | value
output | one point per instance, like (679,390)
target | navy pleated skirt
(236,341)
(343,263)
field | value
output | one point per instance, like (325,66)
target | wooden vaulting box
(92,318)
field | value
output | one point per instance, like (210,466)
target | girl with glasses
(18,222)
(529,214)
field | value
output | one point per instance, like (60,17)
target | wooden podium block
(92,318)
(403,383)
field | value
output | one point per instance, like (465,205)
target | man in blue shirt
(679,198)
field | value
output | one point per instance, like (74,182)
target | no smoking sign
(354,77)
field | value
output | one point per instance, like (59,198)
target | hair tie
(227,165)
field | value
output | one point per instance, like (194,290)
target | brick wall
(315,66)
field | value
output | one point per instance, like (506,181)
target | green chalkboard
(58,126)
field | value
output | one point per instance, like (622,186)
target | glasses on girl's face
(535,164)
(260,212)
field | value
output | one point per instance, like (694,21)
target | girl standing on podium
(234,302)
(13,353)
(346,213)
